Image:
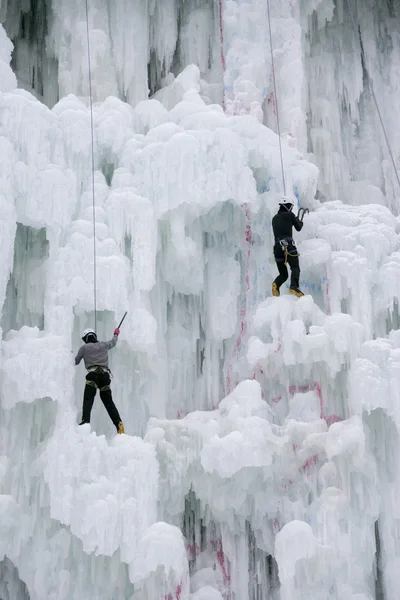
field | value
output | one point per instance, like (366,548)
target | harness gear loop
(99,369)
(285,247)
(91,383)
(94,384)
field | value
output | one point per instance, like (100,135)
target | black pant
(99,380)
(293,261)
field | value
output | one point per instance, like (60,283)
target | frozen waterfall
(260,460)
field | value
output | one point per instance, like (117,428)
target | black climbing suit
(99,379)
(282,224)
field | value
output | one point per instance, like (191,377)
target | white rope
(276,99)
(93,194)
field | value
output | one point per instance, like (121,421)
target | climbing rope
(357,32)
(92,144)
(276,98)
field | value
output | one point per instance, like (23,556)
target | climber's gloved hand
(116,331)
(302,212)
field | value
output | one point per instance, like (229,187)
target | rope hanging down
(276,98)
(92,144)
(356,30)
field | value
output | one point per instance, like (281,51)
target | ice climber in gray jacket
(95,355)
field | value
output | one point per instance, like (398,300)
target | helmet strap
(87,339)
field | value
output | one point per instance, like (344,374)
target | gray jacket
(95,354)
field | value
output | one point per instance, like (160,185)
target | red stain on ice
(333,419)
(177,594)
(311,462)
(276,526)
(310,387)
(192,550)
(315,386)
(216,545)
(328,302)
(276,399)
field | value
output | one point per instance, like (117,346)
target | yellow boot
(296,292)
(275,290)
(121,427)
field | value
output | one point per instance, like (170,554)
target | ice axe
(301,213)
(122,320)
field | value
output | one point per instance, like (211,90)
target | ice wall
(325,103)
(135,45)
(344,131)
(262,433)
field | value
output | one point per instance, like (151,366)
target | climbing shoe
(120,427)
(296,292)
(84,423)
(275,290)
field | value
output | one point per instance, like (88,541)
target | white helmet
(87,332)
(286,202)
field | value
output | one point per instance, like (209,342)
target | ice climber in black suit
(285,250)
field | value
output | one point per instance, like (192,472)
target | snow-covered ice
(262,434)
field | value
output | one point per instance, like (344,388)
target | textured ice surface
(261,454)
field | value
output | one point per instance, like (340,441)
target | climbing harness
(301,213)
(92,144)
(357,32)
(100,371)
(284,244)
(276,98)
(105,388)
